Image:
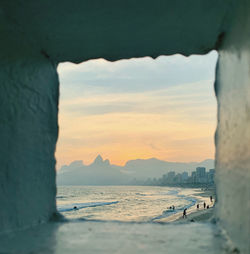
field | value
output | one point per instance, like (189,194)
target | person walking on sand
(204,205)
(198,206)
(173,207)
(184,213)
(211,199)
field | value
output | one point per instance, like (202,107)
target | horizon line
(99,155)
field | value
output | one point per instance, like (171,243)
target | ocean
(123,203)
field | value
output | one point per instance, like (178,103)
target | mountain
(101,172)
(99,161)
(142,169)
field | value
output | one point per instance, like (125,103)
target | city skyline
(198,177)
(102,172)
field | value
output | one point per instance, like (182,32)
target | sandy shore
(194,214)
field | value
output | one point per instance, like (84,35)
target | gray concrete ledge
(114,237)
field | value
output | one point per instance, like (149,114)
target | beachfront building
(198,177)
(184,176)
(193,177)
(211,175)
(171,176)
(178,178)
(201,174)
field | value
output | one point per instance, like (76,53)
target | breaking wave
(78,206)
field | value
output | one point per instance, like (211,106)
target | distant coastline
(134,172)
(186,185)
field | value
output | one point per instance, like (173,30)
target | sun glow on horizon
(137,109)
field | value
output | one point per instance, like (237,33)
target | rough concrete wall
(28,134)
(79,30)
(233,133)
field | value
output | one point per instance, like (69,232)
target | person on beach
(173,207)
(184,213)
(207,206)
(198,206)
(204,205)
(211,199)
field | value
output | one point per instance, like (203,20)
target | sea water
(122,203)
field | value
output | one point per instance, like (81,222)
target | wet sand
(194,214)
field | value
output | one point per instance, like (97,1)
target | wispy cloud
(161,108)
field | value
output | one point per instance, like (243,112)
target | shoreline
(194,214)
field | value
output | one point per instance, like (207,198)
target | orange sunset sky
(138,108)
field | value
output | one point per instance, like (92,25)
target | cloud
(137,108)
(189,101)
(136,75)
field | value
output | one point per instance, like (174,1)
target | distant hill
(153,167)
(101,172)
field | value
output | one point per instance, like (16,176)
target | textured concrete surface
(28,130)
(80,30)
(111,237)
(233,132)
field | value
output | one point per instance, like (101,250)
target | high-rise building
(211,174)
(201,172)
(171,176)
(201,175)
(178,178)
(184,176)
(193,177)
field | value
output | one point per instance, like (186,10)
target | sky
(137,108)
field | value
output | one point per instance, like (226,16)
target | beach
(194,214)
(128,203)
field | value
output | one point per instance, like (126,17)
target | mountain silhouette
(101,172)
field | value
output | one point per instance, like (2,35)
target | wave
(172,192)
(190,199)
(141,194)
(78,206)
(68,196)
(166,213)
(60,197)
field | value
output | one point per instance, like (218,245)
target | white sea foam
(78,206)
(122,203)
